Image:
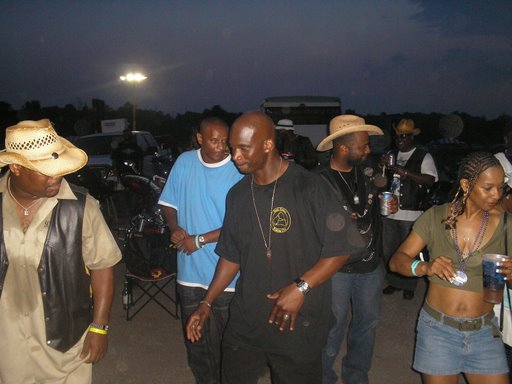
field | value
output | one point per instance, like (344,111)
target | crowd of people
(279,258)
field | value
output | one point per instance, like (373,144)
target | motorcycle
(143,193)
(146,239)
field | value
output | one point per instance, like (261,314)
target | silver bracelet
(206,303)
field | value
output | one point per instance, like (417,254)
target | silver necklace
(353,192)
(25,209)
(357,216)
(268,252)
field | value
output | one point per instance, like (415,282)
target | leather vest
(369,259)
(413,196)
(63,276)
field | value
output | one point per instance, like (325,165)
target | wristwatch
(201,240)
(302,285)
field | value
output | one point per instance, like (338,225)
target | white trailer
(114,125)
(310,114)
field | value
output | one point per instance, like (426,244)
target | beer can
(386,197)
(391,159)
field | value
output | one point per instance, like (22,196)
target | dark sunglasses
(404,135)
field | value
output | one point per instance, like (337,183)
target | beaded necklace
(463,256)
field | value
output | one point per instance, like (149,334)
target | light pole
(134,79)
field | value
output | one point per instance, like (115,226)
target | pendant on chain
(356,200)
(269,254)
(460,278)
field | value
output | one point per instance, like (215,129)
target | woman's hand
(505,267)
(441,267)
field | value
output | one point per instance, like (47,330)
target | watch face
(201,239)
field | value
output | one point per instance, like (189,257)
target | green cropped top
(439,243)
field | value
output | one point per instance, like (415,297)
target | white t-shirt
(507,167)
(428,167)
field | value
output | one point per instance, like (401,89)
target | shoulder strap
(505,214)
(505,231)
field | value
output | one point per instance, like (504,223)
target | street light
(134,79)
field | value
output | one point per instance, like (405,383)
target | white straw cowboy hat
(36,145)
(343,125)
(406,126)
(285,124)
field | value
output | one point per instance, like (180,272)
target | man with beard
(356,283)
(413,174)
(282,231)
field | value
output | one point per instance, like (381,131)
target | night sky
(377,56)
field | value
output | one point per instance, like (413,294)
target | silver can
(391,159)
(386,197)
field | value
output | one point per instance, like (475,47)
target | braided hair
(470,168)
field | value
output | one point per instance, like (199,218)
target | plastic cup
(493,282)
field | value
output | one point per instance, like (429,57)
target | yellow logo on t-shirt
(281,220)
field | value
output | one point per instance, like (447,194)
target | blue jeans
(204,356)
(443,350)
(363,291)
(394,233)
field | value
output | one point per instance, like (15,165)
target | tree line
(177,130)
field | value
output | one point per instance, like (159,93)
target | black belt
(464,325)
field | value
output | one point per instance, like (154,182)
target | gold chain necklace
(268,248)
(25,209)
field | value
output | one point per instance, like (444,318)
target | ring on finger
(286,316)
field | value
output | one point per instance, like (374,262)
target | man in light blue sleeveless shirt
(194,200)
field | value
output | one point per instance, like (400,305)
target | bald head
(261,125)
(252,141)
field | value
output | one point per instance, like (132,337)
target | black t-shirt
(307,226)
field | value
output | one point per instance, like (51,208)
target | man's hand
(177,235)
(196,321)
(392,204)
(187,245)
(95,347)
(288,302)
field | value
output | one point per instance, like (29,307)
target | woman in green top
(456,329)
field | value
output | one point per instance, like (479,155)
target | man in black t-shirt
(357,284)
(282,231)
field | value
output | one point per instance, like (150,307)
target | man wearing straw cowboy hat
(56,262)
(413,174)
(358,284)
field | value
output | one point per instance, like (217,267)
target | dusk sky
(377,56)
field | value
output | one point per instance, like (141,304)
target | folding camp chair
(159,287)
(151,271)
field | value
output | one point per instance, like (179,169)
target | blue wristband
(197,242)
(414,265)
